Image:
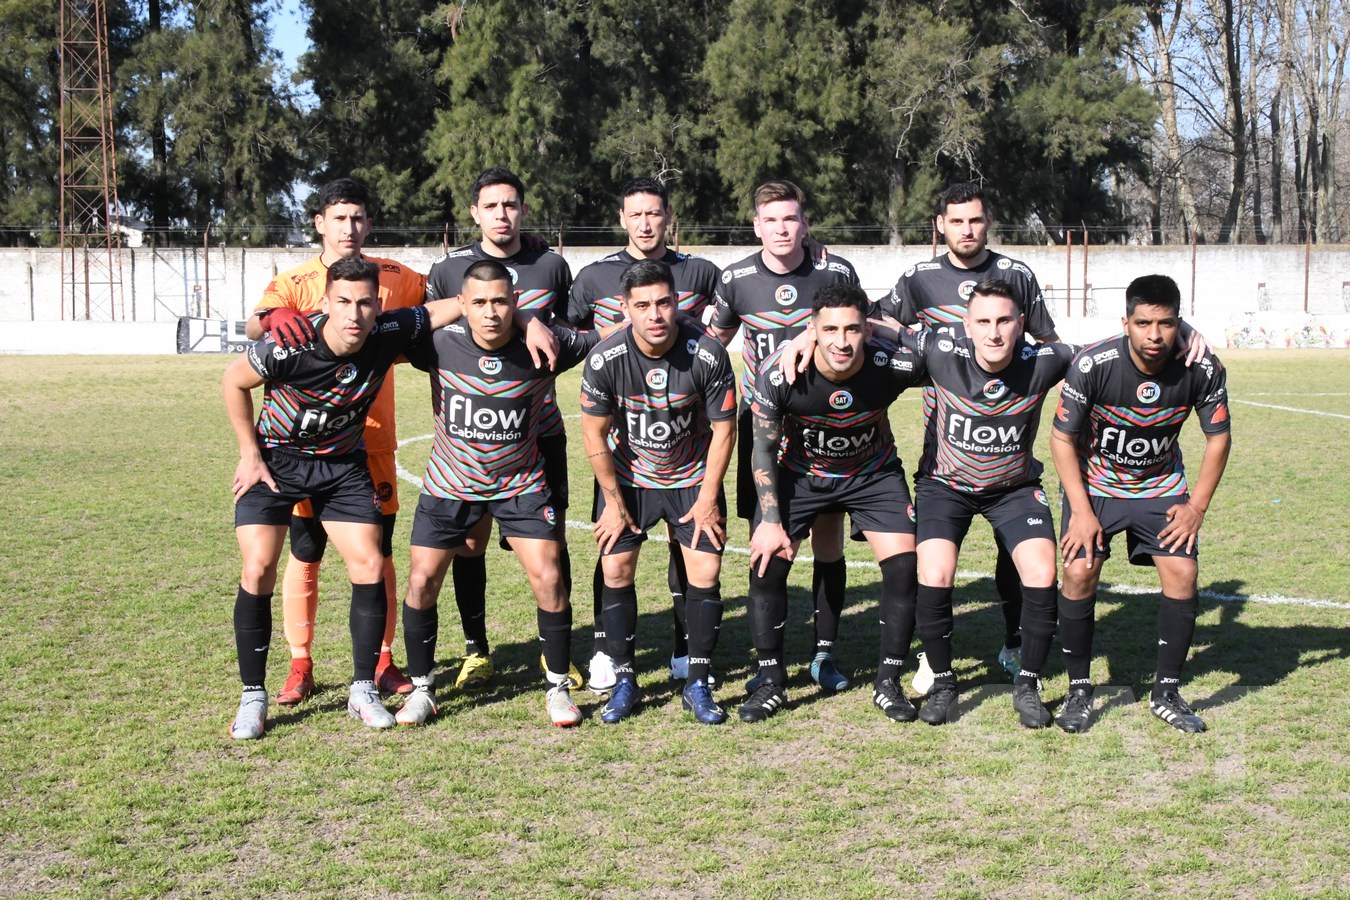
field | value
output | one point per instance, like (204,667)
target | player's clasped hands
(708,520)
(1183,526)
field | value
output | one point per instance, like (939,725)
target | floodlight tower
(91,247)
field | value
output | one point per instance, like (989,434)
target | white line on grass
(1274,599)
(1311,412)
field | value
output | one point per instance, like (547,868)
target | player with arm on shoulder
(597,299)
(1114,445)
(658,404)
(343,224)
(769,293)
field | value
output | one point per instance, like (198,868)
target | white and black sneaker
(1077,710)
(1176,712)
(890,698)
(767,699)
(1027,702)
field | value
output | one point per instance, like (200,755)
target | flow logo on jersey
(315,423)
(786,295)
(656,379)
(829,442)
(657,435)
(994,389)
(490,365)
(1139,452)
(975,436)
(841,400)
(1148,392)
(484,419)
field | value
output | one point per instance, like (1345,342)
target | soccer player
(541,280)
(488,399)
(343,223)
(307,445)
(838,455)
(658,406)
(934,294)
(770,292)
(597,298)
(1114,445)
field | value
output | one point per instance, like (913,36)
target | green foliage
(29,155)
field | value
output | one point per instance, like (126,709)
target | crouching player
(307,445)
(1115,448)
(488,399)
(838,456)
(658,406)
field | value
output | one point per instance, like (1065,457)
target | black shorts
(747,501)
(444,524)
(1018,513)
(338,487)
(553,448)
(1141,518)
(878,501)
(647,506)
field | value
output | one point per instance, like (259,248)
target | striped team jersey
(774,308)
(315,402)
(487,405)
(982,431)
(597,297)
(660,407)
(541,280)
(934,294)
(301,288)
(837,429)
(1126,421)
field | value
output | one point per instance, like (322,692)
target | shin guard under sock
(766,605)
(678,582)
(1176,629)
(469,575)
(618,607)
(828,582)
(899,585)
(704,610)
(555,633)
(299,604)
(1038,630)
(1009,586)
(934,621)
(252,635)
(1077,623)
(420,627)
(367,624)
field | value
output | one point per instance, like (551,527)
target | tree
(29,73)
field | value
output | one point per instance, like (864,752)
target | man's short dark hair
(962,192)
(840,296)
(646,272)
(487,270)
(645,185)
(497,175)
(995,287)
(772,191)
(1153,290)
(344,190)
(353,268)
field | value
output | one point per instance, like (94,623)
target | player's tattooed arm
(1184,519)
(768,435)
(237,386)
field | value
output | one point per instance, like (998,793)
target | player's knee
(424,586)
(258,575)
(827,540)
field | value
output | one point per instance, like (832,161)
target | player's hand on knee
(290,328)
(769,540)
(1084,533)
(707,520)
(1183,526)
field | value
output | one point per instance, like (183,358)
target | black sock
(555,633)
(1176,628)
(367,627)
(934,620)
(420,627)
(252,636)
(705,620)
(1038,630)
(828,581)
(1077,622)
(899,584)
(470,580)
(766,605)
(1009,586)
(678,582)
(597,605)
(619,609)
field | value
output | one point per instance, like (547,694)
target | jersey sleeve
(1211,405)
(573,345)
(579,310)
(725,315)
(914,347)
(899,304)
(1075,398)
(408,289)
(770,391)
(263,359)
(719,381)
(436,281)
(597,389)
(1039,323)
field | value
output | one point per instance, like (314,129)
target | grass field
(117,577)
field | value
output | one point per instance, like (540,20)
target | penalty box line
(1273,599)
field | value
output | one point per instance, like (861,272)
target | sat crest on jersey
(656,379)
(841,400)
(786,295)
(346,374)
(490,365)
(1149,392)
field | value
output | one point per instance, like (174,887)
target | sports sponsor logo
(902,365)
(1105,356)
(386,326)
(1004,263)
(841,268)
(1148,392)
(1073,393)
(597,361)
(726,277)
(994,388)
(1018,267)
(657,379)
(841,400)
(515,276)
(945,345)
(692,347)
(1035,521)
(1207,365)
(740,273)
(490,365)
(928,266)
(346,374)
(1040,497)
(786,295)
(612,352)
(775,378)
(390,267)
(880,358)
(1085,364)
(908,273)
(707,357)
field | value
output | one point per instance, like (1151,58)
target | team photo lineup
(660,416)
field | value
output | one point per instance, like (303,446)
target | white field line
(1294,409)
(1274,599)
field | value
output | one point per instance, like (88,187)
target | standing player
(307,445)
(343,223)
(597,298)
(540,279)
(488,398)
(770,293)
(934,294)
(658,414)
(838,455)
(1115,448)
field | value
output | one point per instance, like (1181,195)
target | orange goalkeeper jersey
(301,289)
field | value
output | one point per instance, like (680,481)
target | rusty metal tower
(91,247)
